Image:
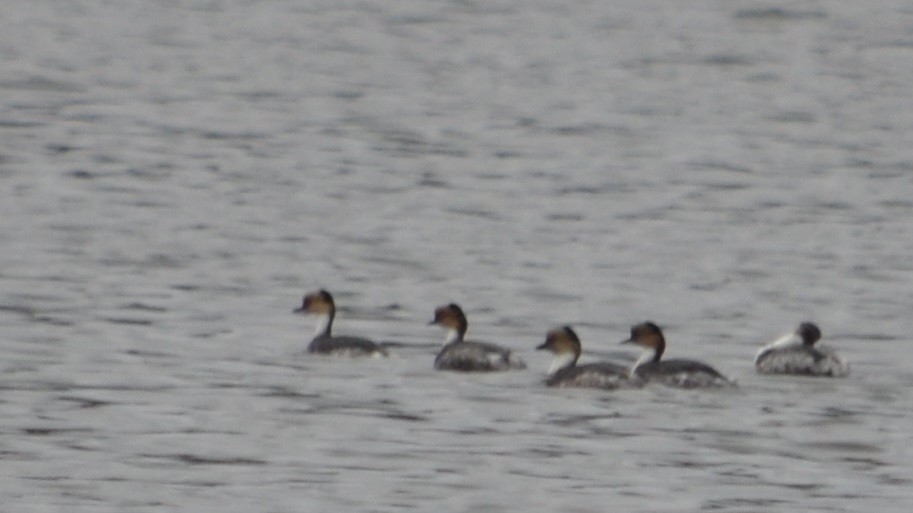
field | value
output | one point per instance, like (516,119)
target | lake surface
(176,174)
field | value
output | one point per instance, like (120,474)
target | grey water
(176,174)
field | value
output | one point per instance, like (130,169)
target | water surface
(176,175)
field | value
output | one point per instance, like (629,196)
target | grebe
(467,356)
(676,372)
(564,371)
(797,353)
(321,303)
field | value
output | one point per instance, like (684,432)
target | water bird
(675,372)
(564,372)
(796,353)
(464,355)
(321,304)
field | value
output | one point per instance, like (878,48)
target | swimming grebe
(321,303)
(564,371)
(797,353)
(676,372)
(462,355)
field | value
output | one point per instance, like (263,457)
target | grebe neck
(649,355)
(453,335)
(562,361)
(324,325)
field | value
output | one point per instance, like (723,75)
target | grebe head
(565,344)
(809,333)
(320,302)
(451,318)
(648,335)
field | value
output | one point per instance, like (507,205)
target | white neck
(560,361)
(323,324)
(786,340)
(646,356)
(791,340)
(452,336)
